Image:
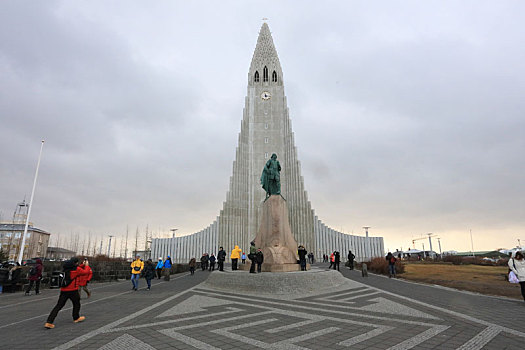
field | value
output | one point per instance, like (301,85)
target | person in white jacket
(517,265)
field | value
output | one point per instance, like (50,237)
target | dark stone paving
(371,313)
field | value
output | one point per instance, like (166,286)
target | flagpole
(21,254)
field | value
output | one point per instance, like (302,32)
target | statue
(271,178)
(274,236)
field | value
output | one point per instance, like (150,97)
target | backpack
(65,278)
(33,271)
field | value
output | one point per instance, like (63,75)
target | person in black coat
(149,272)
(212,262)
(204,261)
(221,256)
(259,259)
(337,260)
(301,251)
(351,258)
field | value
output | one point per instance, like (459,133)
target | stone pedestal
(275,237)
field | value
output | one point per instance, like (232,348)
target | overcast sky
(409,116)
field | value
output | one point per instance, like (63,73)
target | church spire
(265,55)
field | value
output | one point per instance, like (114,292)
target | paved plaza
(184,313)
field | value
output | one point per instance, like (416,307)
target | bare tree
(114,247)
(89,243)
(126,250)
(120,250)
(136,241)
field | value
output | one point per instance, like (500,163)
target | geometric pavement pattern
(360,317)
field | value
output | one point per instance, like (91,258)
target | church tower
(265,129)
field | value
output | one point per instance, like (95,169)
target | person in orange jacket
(84,280)
(69,290)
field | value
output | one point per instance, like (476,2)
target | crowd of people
(77,274)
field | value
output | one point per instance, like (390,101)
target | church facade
(265,129)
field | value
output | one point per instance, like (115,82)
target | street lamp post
(173,232)
(21,253)
(109,245)
(430,244)
(367,244)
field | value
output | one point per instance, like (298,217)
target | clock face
(266,95)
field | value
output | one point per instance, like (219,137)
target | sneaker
(148,288)
(80,319)
(49,325)
(27,294)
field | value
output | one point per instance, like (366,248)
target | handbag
(512,276)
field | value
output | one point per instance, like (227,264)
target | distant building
(56,253)
(36,242)
(11,233)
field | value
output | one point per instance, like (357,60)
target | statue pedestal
(275,237)
(274,267)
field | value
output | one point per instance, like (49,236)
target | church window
(256,77)
(266,125)
(265,73)
(265,140)
(274,77)
(266,155)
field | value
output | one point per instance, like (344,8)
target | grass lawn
(488,280)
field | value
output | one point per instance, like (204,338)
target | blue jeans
(392,270)
(148,281)
(135,280)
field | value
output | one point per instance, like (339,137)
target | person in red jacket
(35,275)
(84,280)
(72,273)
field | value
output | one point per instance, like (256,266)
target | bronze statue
(271,178)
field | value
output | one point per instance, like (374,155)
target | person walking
(391,259)
(192,264)
(235,255)
(166,270)
(159,267)
(259,258)
(84,280)
(331,260)
(204,260)
(301,251)
(243,258)
(212,262)
(517,265)
(35,276)
(68,291)
(136,268)
(252,256)
(149,272)
(221,256)
(337,260)
(351,258)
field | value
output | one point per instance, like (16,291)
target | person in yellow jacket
(236,254)
(136,268)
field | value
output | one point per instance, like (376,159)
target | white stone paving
(206,319)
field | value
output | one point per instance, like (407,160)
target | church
(265,129)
